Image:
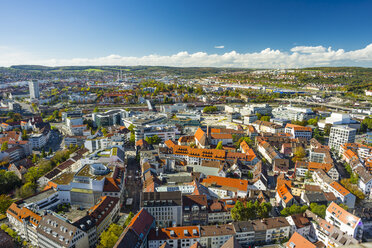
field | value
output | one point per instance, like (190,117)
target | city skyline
(270,34)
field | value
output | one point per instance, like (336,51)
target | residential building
(284,196)
(328,185)
(215,236)
(365,180)
(38,141)
(195,210)
(136,233)
(271,230)
(244,232)
(249,119)
(54,232)
(176,237)
(104,212)
(299,224)
(164,132)
(166,207)
(34,89)
(268,151)
(302,167)
(223,187)
(297,131)
(326,234)
(267,127)
(345,221)
(298,241)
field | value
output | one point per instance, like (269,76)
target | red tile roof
(232,183)
(299,241)
(141,223)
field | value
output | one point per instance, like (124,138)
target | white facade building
(293,113)
(34,89)
(345,221)
(340,135)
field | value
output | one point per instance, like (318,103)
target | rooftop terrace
(64,178)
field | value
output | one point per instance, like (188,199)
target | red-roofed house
(136,233)
(298,241)
(298,131)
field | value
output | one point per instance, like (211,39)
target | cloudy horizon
(296,57)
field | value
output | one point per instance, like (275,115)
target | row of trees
(154,140)
(44,166)
(353,188)
(210,109)
(250,210)
(319,210)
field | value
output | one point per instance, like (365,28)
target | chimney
(208,131)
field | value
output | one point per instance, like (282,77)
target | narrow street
(133,185)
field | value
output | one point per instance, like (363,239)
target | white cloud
(299,56)
(309,49)
(219,47)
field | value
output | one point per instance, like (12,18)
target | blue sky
(154,31)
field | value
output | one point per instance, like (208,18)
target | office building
(340,135)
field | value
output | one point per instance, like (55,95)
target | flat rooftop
(64,178)
(74,214)
(38,197)
(85,172)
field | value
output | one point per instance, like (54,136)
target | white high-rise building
(34,89)
(340,135)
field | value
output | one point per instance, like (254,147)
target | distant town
(149,157)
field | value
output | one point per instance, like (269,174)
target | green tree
(153,140)
(319,210)
(313,122)
(265,118)
(50,151)
(299,154)
(43,154)
(238,211)
(4,146)
(131,128)
(5,202)
(24,135)
(246,139)
(327,129)
(318,135)
(132,138)
(104,131)
(34,158)
(109,237)
(343,206)
(294,209)
(251,210)
(95,110)
(8,181)
(210,109)
(219,145)
(128,219)
(352,188)
(354,178)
